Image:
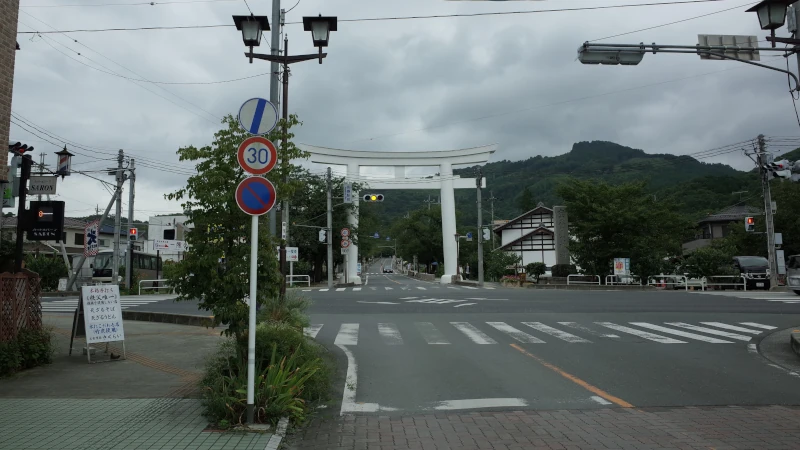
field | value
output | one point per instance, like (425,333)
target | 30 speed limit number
(257,155)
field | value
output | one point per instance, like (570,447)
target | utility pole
(41,171)
(491,200)
(479,182)
(274,85)
(285,164)
(118,218)
(329,234)
(22,216)
(129,262)
(773,260)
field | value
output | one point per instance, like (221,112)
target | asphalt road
(410,346)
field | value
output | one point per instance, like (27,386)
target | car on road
(388,270)
(754,270)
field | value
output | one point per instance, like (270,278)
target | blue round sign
(255,196)
(258,116)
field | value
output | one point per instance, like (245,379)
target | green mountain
(698,186)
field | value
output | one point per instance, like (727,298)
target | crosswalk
(432,287)
(767,296)
(491,333)
(69,305)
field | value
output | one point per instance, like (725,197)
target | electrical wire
(248,7)
(672,23)
(89,5)
(293,7)
(138,75)
(377,19)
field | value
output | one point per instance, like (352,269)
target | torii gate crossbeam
(446,182)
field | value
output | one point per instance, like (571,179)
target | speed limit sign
(257,155)
(345,232)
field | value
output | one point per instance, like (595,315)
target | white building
(167,228)
(539,235)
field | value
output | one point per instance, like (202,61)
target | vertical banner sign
(622,266)
(348,193)
(102,313)
(90,243)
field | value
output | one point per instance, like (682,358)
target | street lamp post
(252,27)
(320,28)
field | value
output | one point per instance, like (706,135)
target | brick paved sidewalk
(761,428)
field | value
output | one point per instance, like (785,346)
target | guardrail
(611,280)
(166,286)
(569,277)
(660,281)
(742,283)
(292,277)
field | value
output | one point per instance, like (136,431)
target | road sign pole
(27,163)
(251,330)
(330,232)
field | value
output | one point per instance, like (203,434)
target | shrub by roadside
(292,370)
(31,348)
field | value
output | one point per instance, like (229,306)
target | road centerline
(589,387)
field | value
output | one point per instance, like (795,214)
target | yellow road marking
(593,389)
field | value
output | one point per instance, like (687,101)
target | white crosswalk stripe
(758,325)
(642,334)
(731,327)
(680,333)
(420,288)
(356,289)
(388,288)
(707,330)
(515,333)
(392,334)
(475,335)
(72,304)
(785,297)
(563,335)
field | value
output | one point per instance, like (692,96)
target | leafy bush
(562,270)
(291,310)
(536,269)
(280,386)
(31,348)
(49,268)
(497,263)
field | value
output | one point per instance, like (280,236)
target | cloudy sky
(391,85)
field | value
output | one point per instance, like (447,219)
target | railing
(166,286)
(733,283)
(291,278)
(611,280)
(661,281)
(569,279)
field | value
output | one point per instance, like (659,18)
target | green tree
(216,271)
(617,221)
(420,235)
(714,259)
(525,201)
(787,218)
(498,263)
(49,267)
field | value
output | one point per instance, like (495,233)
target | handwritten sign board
(102,313)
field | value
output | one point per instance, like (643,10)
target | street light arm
(794,77)
(285,59)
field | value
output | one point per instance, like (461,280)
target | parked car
(754,270)
(793,273)
(388,270)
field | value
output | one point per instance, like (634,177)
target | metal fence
(20,303)
(165,286)
(303,279)
(667,281)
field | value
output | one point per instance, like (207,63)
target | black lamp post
(771,14)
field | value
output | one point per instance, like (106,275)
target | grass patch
(31,348)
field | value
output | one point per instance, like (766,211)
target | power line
(130,70)
(377,19)
(672,23)
(88,5)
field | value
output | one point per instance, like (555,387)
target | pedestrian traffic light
(323,236)
(487,236)
(373,197)
(749,224)
(133,234)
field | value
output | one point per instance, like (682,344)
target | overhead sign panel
(735,43)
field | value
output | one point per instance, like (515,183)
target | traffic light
(323,236)
(780,169)
(19,148)
(749,224)
(487,235)
(373,197)
(133,234)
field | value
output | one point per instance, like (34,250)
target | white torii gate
(445,182)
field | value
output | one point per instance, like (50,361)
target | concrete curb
(280,432)
(794,341)
(178,319)
(591,287)
(466,283)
